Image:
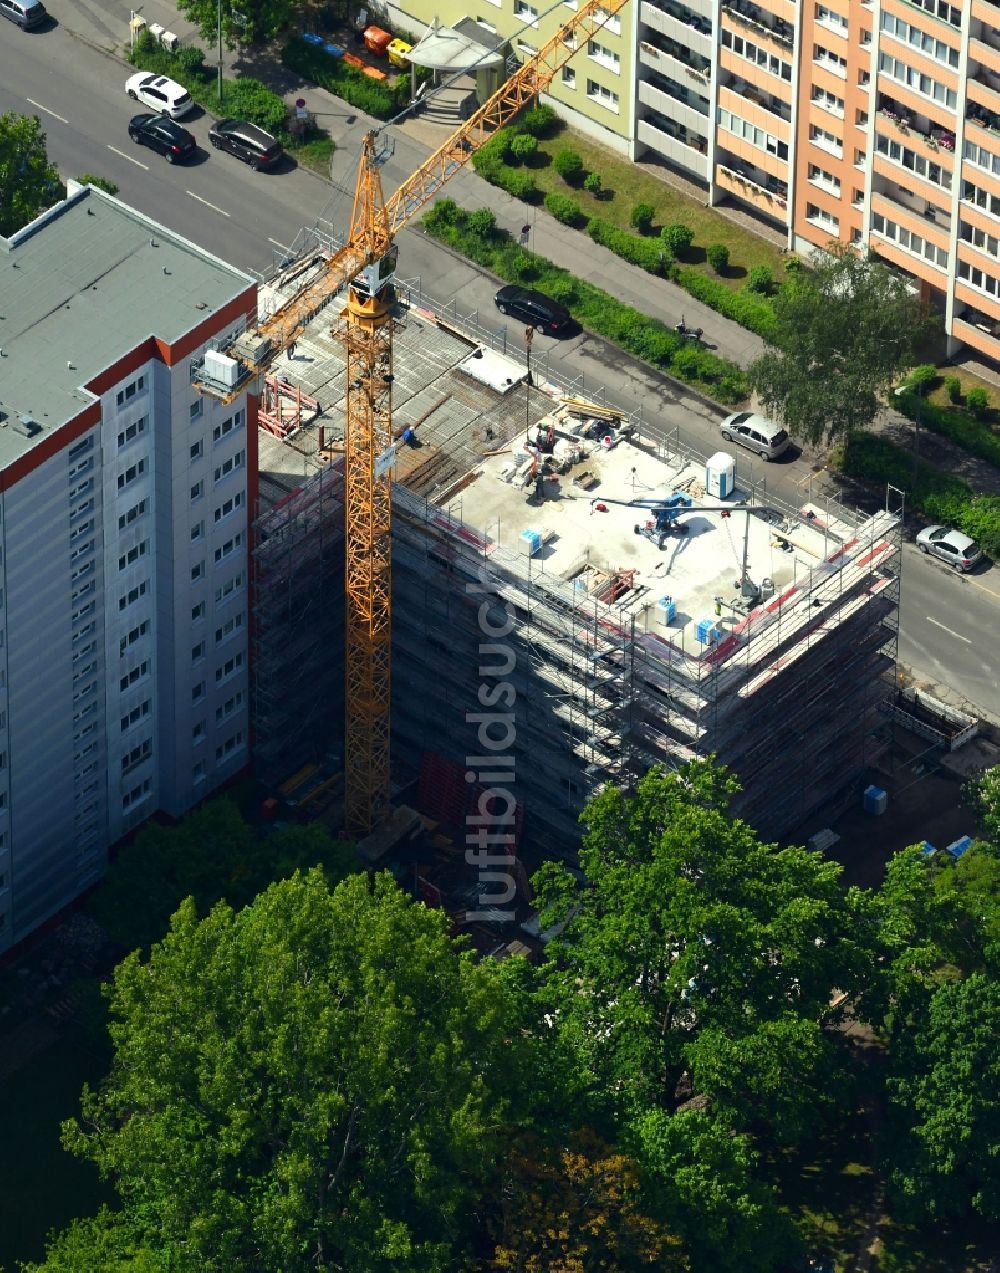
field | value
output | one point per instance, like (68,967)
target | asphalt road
(946,622)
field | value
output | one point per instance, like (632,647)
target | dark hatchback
(533,308)
(164,135)
(246,142)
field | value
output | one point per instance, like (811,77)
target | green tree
(641,217)
(28,182)
(321,1080)
(717,255)
(242,22)
(101,183)
(844,332)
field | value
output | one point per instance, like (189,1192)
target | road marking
(957,635)
(221,211)
(144,167)
(46,110)
(277,244)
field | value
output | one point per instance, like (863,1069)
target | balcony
(671,103)
(983,88)
(984,47)
(669,58)
(977,330)
(670,142)
(916,131)
(754,18)
(772,202)
(775,107)
(932,215)
(976,113)
(679,23)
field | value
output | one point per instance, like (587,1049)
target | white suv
(160,94)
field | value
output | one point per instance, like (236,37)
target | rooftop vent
(27,426)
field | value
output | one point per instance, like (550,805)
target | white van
(755,432)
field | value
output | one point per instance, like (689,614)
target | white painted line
(221,211)
(957,635)
(277,244)
(144,167)
(46,110)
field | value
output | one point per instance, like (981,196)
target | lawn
(625,184)
(41,1186)
(939,394)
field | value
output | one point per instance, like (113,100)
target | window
(923,41)
(197,571)
(981,198)
(915,244)
(229,587)
(751,133)
(229,746)
(134,674)
(81,509)
(196,408)
(197,491)
(133,472)
(133,514)
(598,93)
(198,612)
(198,652)
(83,529)
(568,77)
(830,61)
(761,57)
(917,80)
(136,634)
(84,466)
(197,530)
(84,488)
(979,279)
(828,101)
(198,773)
(230,466)
(607,57)
(132,596)
(229,506)
(198,692)
(198,732)
(142,751)
(137,794)
(131,432)
(135,715)
(525,12)
(828,18)
(229,708)
(979,238)
(940,9)
(227,426)
(611,24)
(133,555)
(230,546)
(826,141)
(80,571)
(229,668)
(820,177)
(228,628)
(130,390)
(80,448)
(822,218)
(906,158)
(197,449)
(982,157)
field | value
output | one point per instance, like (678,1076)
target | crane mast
(365,265)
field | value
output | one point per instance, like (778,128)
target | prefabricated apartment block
(544,635)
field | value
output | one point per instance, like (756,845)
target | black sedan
(535,309)
(162,134)
(246,142)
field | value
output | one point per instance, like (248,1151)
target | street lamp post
(219,15)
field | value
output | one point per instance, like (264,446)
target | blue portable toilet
(927,849)
(957,847)
(667,609)
(876,800)
(720,475)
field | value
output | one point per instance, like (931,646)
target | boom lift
(365,265)
(666,512)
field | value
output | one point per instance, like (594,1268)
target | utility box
(221,368)
(875,800)
(397,53)
(706,632)
(169,41)
(531,541)
(666,609)
(720,475)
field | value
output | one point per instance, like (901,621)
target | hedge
(646,338)
(563,208)
(974,436)
(648,254)
(941,497)
(380,98)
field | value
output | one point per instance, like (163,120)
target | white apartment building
(125,504)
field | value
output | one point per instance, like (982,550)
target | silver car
(755,432)
(952,546)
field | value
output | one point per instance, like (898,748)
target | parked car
(952,546)
(246,142)
(27,14)
(164,135)
(755,432)
(533,308)
(160,94)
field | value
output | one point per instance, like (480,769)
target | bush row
(748,308)
(974,436)
(380,98)
(243,98)
(475,235)
(938,495)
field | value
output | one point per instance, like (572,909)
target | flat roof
(85,283)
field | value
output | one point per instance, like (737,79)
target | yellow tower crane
(365,265)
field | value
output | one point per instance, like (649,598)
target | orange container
(353,60)
(377,40)
(373,72)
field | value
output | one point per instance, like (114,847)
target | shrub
(641,217)
(568,165)
(646,253)
(482,222)
(444,213)
(978,402)
(564,290)
(717,255)
(678,237)
(592,183)
(539,121)
(253,101)
(563,208)
(190,59)
(953,387)
(794,265)
(517,183)
(749,309)
(525,265)
(381,98)
(922,377)
(974,436)
(524,146)
(761,280)
(102,183)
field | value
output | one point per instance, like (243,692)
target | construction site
(575,599)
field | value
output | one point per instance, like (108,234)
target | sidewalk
(105,23)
